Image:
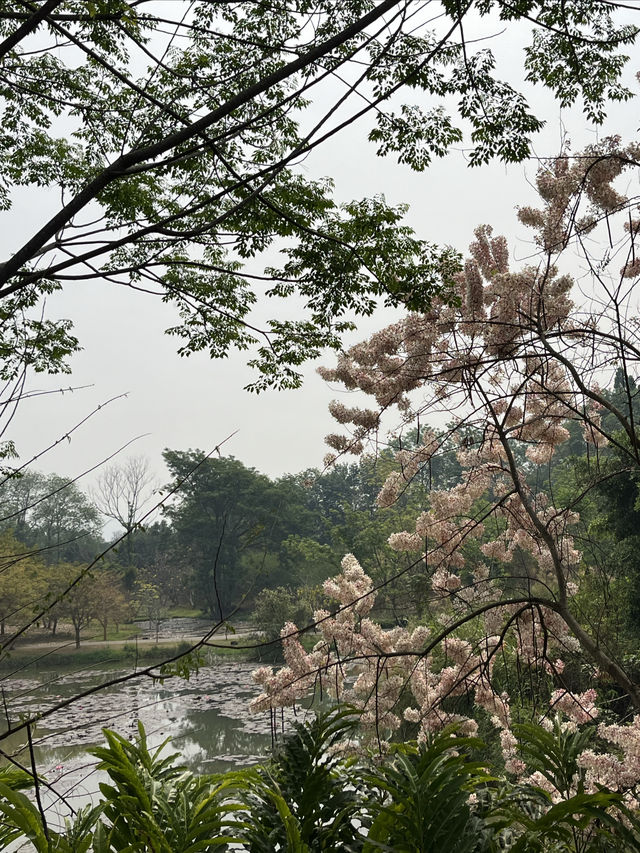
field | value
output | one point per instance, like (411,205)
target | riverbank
(35,657)
(128,644)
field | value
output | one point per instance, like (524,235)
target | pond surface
(207,719)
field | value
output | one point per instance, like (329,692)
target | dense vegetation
(492,578)
(235,543)
(231,540)
(315,794)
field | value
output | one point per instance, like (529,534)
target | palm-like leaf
(311,797)
(584,823)
(577,821)
(555,753)
(423,804)
(153,805)
(308,798)
(22,820)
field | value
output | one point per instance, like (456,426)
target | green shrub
(316,795)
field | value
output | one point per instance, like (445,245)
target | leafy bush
(318,794)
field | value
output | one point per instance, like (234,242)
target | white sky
(195,402)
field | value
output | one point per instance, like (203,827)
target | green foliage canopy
(172,136)
(229,520)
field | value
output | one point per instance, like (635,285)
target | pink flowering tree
(520,358)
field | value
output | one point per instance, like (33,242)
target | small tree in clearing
(521,362)
(111,605)
(150,603)
(81,603)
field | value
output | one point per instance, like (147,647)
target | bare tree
(123,490)
(121,493)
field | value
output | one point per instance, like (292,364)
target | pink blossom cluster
(359,662)
(517,359)
(505,330)
(561,184)
(619,772)
(579,707)
(379,670)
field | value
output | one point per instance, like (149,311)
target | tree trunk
(612,667)
(77,629)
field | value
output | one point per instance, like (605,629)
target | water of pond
(207,719)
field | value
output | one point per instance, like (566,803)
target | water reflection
(206,717)
(211,742)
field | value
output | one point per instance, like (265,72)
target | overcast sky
(178,403)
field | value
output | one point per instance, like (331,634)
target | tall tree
(63,522)
(524,352)
(225,512)
(18,495)
(52,513)
(21,581)
(121,493)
